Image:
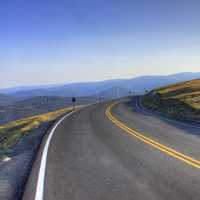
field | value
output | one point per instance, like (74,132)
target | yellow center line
(169,151)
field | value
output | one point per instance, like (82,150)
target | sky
(62,41)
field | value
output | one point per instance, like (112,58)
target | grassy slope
(181,100)
(12,132)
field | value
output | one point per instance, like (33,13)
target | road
(91,157)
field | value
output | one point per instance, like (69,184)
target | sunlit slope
(12,132)
(181,100)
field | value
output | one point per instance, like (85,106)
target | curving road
(117,152)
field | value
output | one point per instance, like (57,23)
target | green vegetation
(180,100)
(12,132)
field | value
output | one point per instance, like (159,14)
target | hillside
(113,93)
(137,85)
(6,99)
(12,132)
(36,106)
(181,100)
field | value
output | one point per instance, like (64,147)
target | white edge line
(41,177)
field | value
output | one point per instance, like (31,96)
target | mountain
(6,99)
(137,85)
(113,93)
(27,88)
(140,84)
(69,90)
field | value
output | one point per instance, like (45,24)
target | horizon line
(91,81)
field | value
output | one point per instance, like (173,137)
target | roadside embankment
(19,143)
(180,101)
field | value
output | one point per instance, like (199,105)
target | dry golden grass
(181,100)
(11,133)
(187,92)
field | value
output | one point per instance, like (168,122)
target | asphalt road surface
(94,157)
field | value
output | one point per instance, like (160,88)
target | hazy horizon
(89,81)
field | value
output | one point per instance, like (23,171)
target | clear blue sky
(60,41)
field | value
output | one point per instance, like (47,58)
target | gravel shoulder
(15,170)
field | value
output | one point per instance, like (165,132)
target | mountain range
(102,89)
(17,103)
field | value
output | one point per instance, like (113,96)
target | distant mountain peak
(81,89)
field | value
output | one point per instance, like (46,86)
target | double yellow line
(169,151)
